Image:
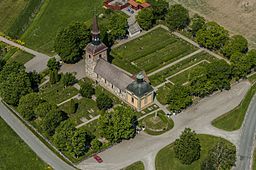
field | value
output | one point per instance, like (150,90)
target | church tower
(94,51)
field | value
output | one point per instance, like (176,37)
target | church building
(135,91)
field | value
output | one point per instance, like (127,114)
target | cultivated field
(53,16)
(235,15)
(151,51)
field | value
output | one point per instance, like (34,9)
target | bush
(87,90)
(104,102)
(145,18)
(68,79)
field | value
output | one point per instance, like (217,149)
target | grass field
(185,77)
(161,76)
(53,16)
(21,57)
(234,119)
(9,11)
(165,159)
(151,51)
(135,166)
(15,154)
(162,93)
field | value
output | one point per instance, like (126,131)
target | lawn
(20,57)
(15,154)
(151,51)
(9,11)
(233,120)
(55,15)
(162,93)
(135,166)
(56,93)
(184,77)
(252,78)
(157,125)
(161,76)
(165,159)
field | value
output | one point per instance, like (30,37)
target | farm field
(165,159)
(15,154)
(7,14)
(161,76)
(239,14)
(55,15)
(151,51)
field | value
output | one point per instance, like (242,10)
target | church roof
(95,27)
(112,74)
(140,87)
(94,49)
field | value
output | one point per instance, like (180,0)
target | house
(136,6)
(133,26)
(136,92)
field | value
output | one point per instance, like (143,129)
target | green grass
(21,57)
(57,93)
(151,51)
(254,160)
(160,77)
(15,154)
(9,11)
(135,166)
(162,93)
(165,159)
(233,120)
(252,78)
(161,126)
(55,15)
(185,77)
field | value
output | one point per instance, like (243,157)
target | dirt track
(238,16)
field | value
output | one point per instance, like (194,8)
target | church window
(132,100)
(145,100)
(89,56)
(100,55)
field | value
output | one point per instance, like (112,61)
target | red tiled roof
(133,3)
(145,5)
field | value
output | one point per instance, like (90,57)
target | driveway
(198,117)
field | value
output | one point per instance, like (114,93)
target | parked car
(98,159)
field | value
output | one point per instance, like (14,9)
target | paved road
(198,117)
(38,63)
(247,137)
(32,141)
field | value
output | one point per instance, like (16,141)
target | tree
(52,121)
(14,83)
(197,24)
(63,135)
(145,18)
(221,156)
(118,125)
(2,63)
(177,17)
(104,102)
(43,109)
(160,8)
(95,145)
(68,79)
(251,56)
(212,36)
(241,65)
(187,148)
(80,143)
(236,43)
(70,42)
(53,64)
(35,79)
(54,76)
(179,98)
(72,107)
(87,90)
(117,26)
(27,104)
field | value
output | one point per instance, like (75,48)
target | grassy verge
(165,159)
(254,160)
(21,57)
(234,119)
(15,154)
(135,166)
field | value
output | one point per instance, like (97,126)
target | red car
(97,158)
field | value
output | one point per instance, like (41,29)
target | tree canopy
(145,18)
(197,23)
(117,26)
(43,109)
(177,17)
(68,79)
(160,8)
(70,42)
(187,148)
(212,36)
(53,64)
(104,102)
(87,90)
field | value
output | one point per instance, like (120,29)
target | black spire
(95,32)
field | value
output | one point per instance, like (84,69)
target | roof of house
(112,74)
(94,49)
(145,5)
(133,3)
(140,87)
(134,28)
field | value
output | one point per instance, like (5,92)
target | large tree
(70,42)
(177,17)
(68,79)
(160,8)
(241,65)
(53,64)
(104,102)
(197,24)
(221,156)
(27,104)
(236,43)
(117,26)
(187,148)
(145,18)
(87,90)
(118,124)
(212,36)
(43,109)
(14,83)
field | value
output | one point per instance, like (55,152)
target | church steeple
(95,32)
